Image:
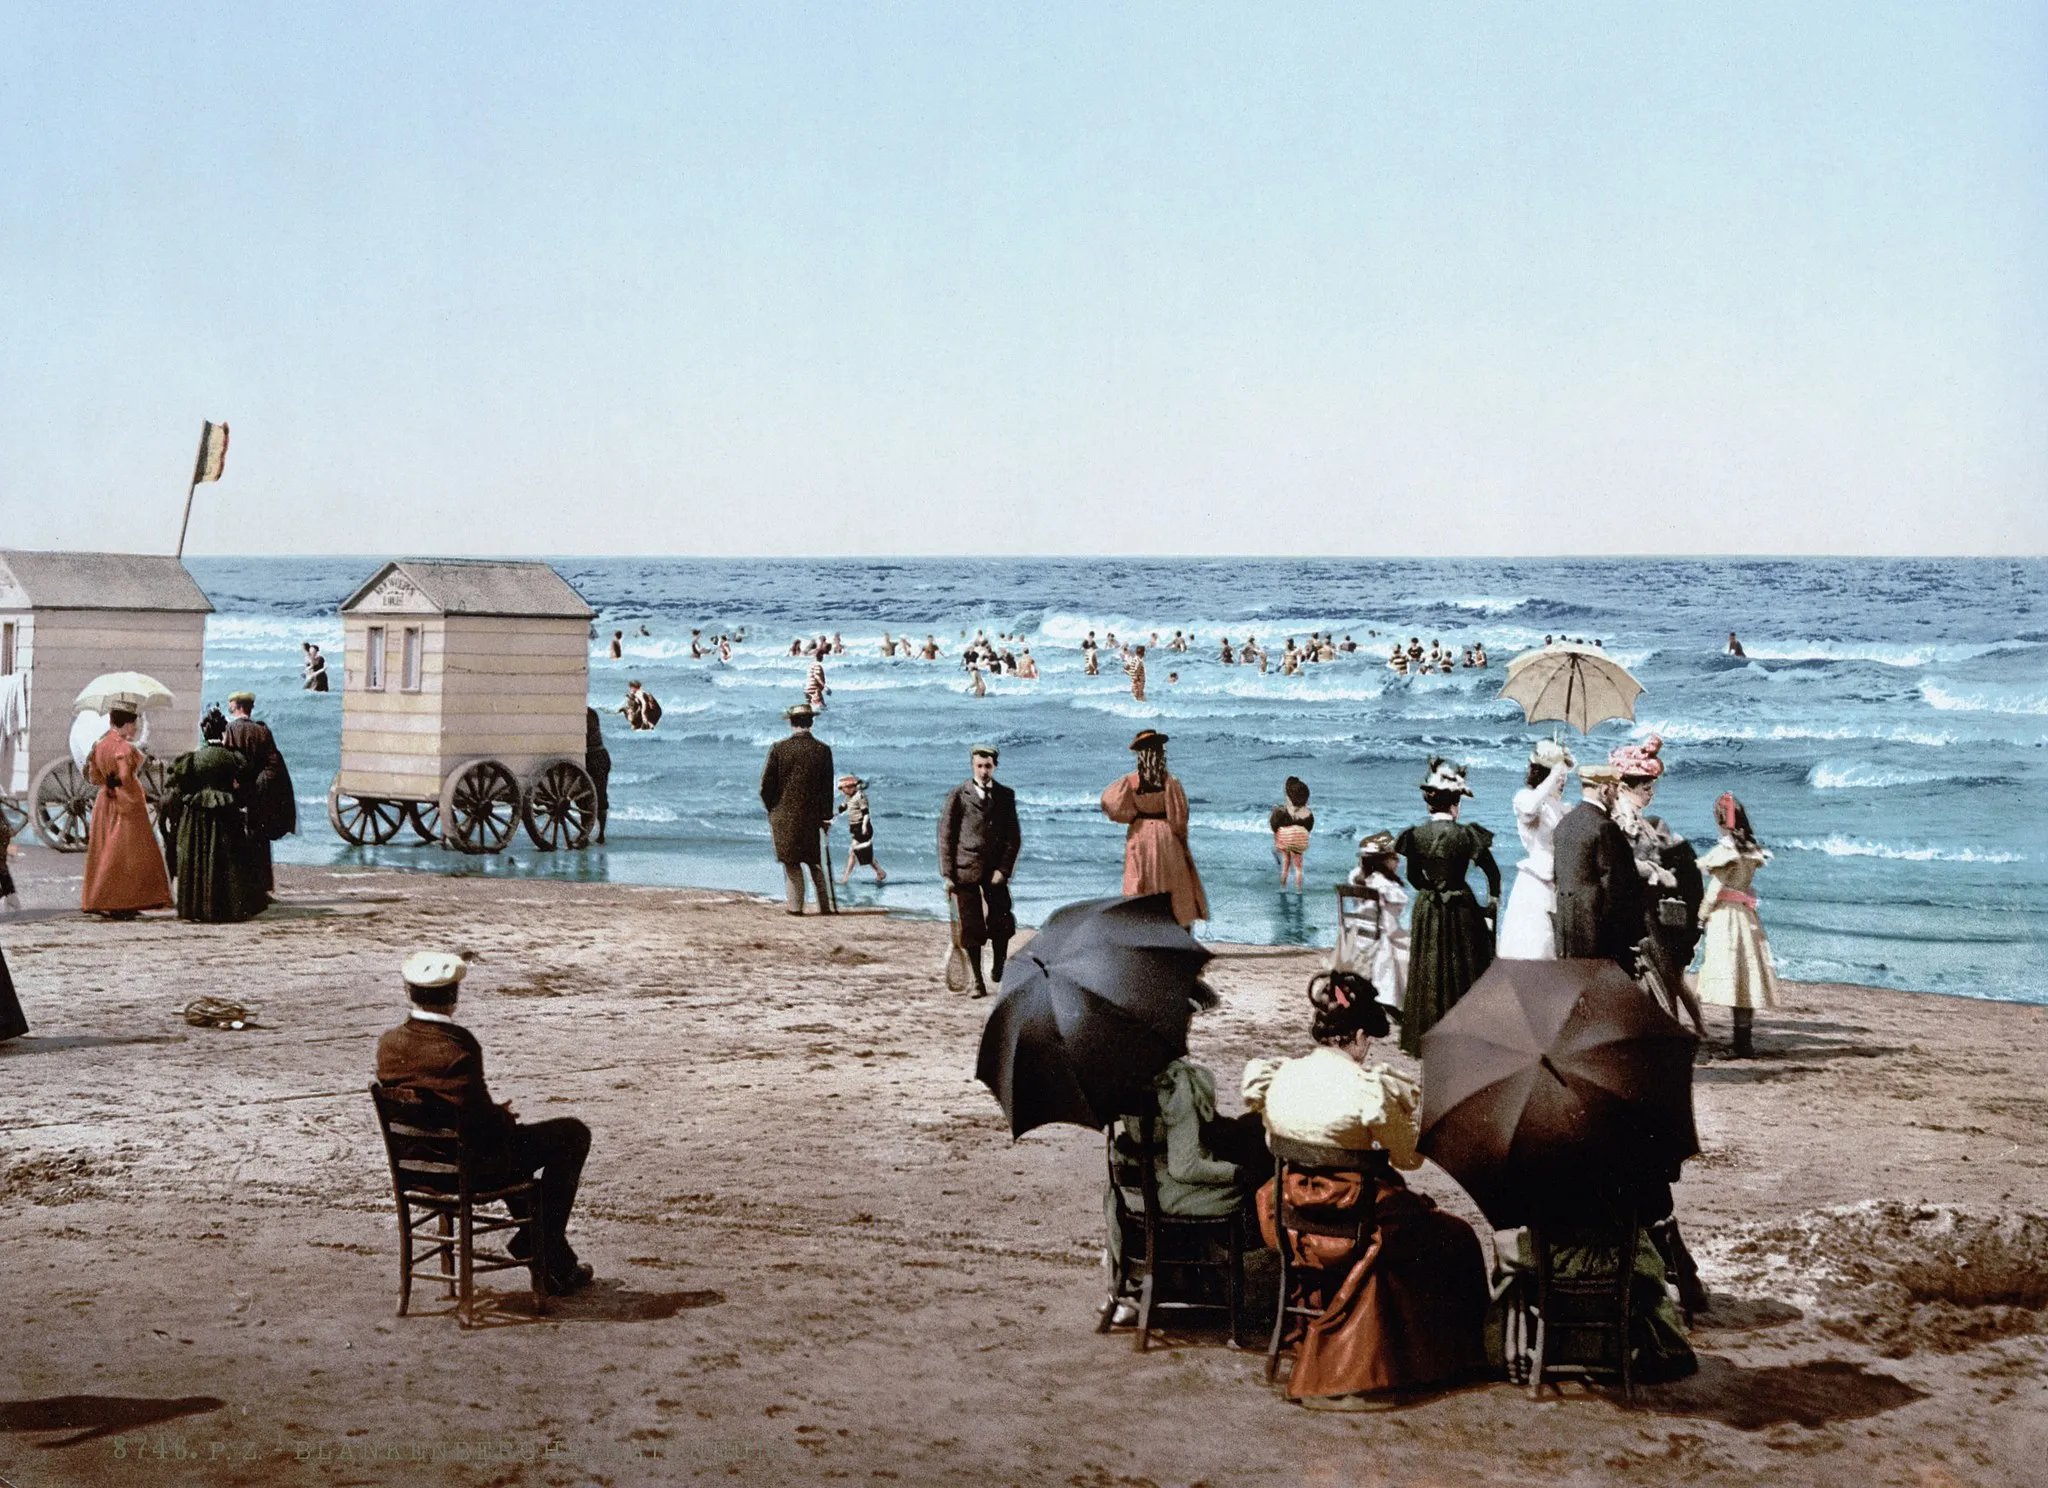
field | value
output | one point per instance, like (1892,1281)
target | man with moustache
(978,842)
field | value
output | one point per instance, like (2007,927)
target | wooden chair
(1581,1325)
(435,1181)
(1153,1242)
(1355,1224)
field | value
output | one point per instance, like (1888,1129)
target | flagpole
(198,462)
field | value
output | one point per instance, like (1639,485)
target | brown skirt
(1405,1312)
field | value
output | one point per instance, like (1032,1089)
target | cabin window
(409,675)
(373,659)
(7,649)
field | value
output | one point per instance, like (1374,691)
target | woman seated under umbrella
(1406,1310)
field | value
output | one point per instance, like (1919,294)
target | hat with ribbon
(427,970)
(799,713)
(1445,776)
(1375,845)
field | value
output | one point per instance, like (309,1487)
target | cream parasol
(132,692)
(1578,685)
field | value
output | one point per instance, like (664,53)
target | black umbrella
(1092,1008)
(1554,1074)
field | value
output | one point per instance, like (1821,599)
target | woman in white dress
(1371,939)
(1526,932)
(1737,972)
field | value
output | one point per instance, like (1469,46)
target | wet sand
(820,1257)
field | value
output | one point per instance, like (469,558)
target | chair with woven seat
(1154,1243)
(1577,1325)
(1353,1225)
(438,1182)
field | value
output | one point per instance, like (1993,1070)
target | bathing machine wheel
(560,805)
(479,807)
(363,821)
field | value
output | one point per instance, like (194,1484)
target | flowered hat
(1445,776)
(1639,761)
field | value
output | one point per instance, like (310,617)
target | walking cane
(831,904)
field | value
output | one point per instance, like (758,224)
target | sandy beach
(820,1256)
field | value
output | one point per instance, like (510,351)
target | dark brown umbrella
(1550,1074)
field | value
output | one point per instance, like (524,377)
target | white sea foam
(1679,731)
(1862,775)
(1836,845)
(1983,699)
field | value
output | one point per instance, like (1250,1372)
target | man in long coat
(796,787)
(1600,896)
(978,842)
(269,805)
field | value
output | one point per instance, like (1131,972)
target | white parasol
(132,692)
(1578,685)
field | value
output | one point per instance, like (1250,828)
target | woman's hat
(851,780)
(1551,753)
(1149,739)
(1639,761)
(1445,776)
(1376,844)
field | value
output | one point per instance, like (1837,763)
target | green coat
(206,840)
(1450,942)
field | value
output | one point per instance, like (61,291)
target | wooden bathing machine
(464,695)
(66,618)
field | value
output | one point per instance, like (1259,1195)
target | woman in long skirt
(1153,805)
(124,869)
(1450,940)
(1737,972)
(1527,932)
(219,879)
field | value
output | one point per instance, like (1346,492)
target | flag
(213,453)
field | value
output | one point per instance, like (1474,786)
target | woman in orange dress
(1156,857)
(124,868)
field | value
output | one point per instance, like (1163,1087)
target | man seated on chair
(433,1055)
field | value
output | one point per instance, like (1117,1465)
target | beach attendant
(1450,940)
(1736,972)
(1526,931)
(124,871)
(1291,822)
(1156,856)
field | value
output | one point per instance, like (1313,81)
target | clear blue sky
(750,278)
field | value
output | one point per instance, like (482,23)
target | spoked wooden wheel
(363,821)
(425,817)
(60,805)
(479,807)
(561,805)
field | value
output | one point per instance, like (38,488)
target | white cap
(428,969)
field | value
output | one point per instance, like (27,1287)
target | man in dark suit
(796,787)
(433,1055)
(1600,896)
(978,842)
(269,804)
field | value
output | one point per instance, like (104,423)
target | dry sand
(821,1257)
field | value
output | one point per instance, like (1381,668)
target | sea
(1887,729)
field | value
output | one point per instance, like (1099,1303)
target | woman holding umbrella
(124,871)
(1450,940)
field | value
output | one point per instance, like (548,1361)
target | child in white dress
(1737,972)
(1371,939)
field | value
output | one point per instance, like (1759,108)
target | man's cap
(1147,738)
(853,782)
(799,713)
(427,970)
(1599,772)
(247,698)
(985,749)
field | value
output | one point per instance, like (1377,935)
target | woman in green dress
(1450,939)
(218,880)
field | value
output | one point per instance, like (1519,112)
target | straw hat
(799,713)
(1376,844)
(427,970)
(1599,772)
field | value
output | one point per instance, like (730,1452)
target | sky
(767,279)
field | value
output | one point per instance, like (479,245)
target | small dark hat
(1147,738)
